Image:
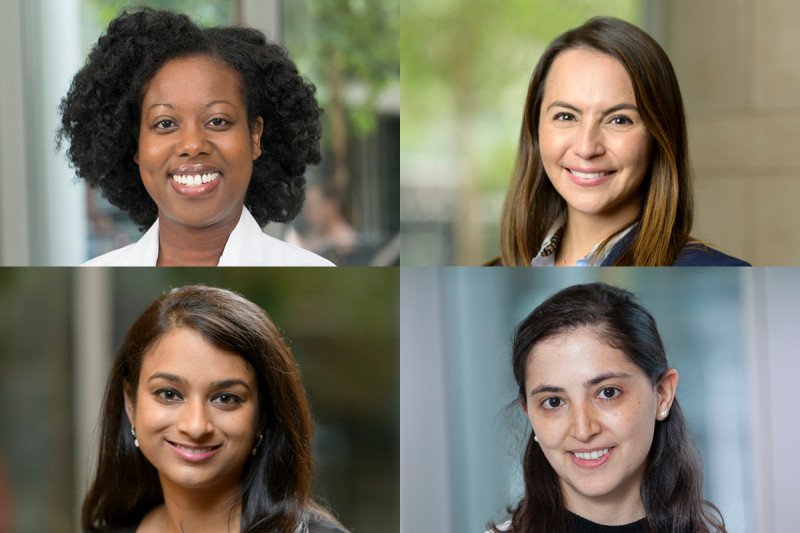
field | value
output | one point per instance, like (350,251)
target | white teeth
(588,176)
(194,181)
(591,455)
(195,450)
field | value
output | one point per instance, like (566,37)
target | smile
(195,180)
(588,176)
(593,458)
(194,454)
(591,455)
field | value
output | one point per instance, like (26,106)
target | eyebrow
(612,109)
(221,384)
(204,106)
(586,384)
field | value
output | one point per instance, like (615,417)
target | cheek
(635,153)
(637,426)
(551,146)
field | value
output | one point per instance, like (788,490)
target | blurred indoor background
(731,333)
(347,48)
(60,329)
(466,65)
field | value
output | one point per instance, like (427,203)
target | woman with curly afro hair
(201,134)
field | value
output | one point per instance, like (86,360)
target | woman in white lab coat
(201,134)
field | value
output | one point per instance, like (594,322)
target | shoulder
(112,258)
(248,245)
(699,254)
(505,526)
(281,253)
(143,252)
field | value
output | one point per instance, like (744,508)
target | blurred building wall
(736,61)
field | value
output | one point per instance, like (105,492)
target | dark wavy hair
(100,114)
(532,204)
(276,483)
(672,486)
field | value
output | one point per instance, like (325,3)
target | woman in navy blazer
(602,174)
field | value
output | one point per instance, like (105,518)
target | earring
(664,413)
(536,438)
(135,440)
(258,443)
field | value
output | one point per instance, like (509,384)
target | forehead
(193,80)
(574,357)
(184,352)
(584,77)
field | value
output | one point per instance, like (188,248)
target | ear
(255,137)
(130,408)
(523,406)
(136,157)
(665,391)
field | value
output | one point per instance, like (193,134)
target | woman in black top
(205,425)
(609,449)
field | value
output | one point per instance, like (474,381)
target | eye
(608,393)
(164,124)
(226,399)
(552,403)
(217,121)
(620,120)
(563,116)
(168,395)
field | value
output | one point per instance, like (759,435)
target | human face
(196,151)
(194,412)
(594,146)
(585,397)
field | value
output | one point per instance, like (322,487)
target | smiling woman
(602,175)
(202,134)
(205,425)
(609,449)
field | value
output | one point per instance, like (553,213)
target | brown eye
(226,399)
(552,403)
(168,395)
(608,393)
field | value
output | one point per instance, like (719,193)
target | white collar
(247,245)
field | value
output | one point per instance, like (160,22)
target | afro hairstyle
(101,112)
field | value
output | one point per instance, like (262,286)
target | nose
(194,420)
(193,141)
(584,422)
(588,141)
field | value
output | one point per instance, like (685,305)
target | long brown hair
(276,484)
(532,204)
(672,485)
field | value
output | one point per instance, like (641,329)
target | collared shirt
(547,252)
(247,246)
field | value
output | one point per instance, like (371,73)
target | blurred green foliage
(466,65)
(356,38)
(96,14)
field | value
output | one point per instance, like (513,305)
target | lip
(607,174)
(199,455)
(194,191)
(591,463)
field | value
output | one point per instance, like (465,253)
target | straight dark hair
(532,204)
(672,486)
(276,483)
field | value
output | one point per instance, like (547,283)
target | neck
(198,510)
(583,232)
(181,245)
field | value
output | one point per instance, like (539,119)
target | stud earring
(664,413)
(135,440)
(536,438)
(255,448)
